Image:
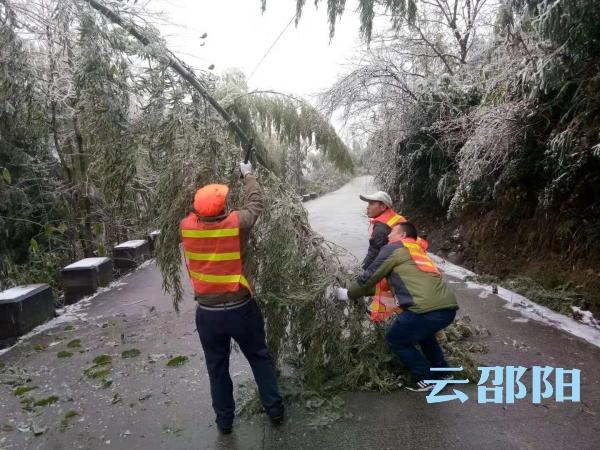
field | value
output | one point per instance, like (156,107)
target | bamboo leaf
(6,175)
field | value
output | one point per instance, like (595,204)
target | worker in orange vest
(382,218)
(427,302)
(215,240)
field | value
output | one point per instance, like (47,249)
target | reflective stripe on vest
(389,217)
(419,256)
(225,232)
(384,303)
(220,279)
(212,254)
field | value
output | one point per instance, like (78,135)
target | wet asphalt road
(149,405)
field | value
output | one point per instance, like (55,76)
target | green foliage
(291,121)
(570,24)
(82,150)
(23,390)
(65,422)
(131,353)
(70,414)
(46,401)
(396,10)
(75,343)
(517,135)
(96,372)
(324,410)
(24,205)
(177,361)
(69,152)
(559,299)
(6,176)
(129,147)
(102,360)
(7,427)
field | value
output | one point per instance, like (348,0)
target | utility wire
(271,47)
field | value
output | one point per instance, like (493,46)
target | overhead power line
(271,47)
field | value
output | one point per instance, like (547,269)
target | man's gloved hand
(342,294)
(245,168)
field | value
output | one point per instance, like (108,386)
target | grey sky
(303,61)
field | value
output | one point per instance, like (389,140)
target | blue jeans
(245,325)
(410,329)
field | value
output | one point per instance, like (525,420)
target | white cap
(378,196)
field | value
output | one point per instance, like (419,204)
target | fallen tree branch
(188,75)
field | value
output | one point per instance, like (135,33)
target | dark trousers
(245,325)
(410,329)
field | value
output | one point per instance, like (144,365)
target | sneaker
(420,386)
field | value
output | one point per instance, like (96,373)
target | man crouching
(428,304)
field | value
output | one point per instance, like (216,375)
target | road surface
(144,404)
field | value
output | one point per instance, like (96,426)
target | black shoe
(420,386)
(277,420)
(224,429)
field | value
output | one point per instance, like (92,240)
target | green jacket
(418,291)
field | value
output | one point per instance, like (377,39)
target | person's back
(247,216)
(215,244)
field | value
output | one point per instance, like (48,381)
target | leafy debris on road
(131,353)
(102,360)
(23,389)
(177,361)
(75,343)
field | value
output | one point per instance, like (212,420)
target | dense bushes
(513,135)
(91,126)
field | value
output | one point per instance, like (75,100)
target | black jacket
(379,238)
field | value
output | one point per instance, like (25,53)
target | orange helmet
(210,200)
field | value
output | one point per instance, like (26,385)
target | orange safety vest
(418,252)
(212,254)
(389,217)
(383,304)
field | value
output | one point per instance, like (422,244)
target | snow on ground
(132,244)
(74,312)
(588,328)
(88,262)
(18,291)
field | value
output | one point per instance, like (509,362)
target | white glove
(245,168)
(342,294)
